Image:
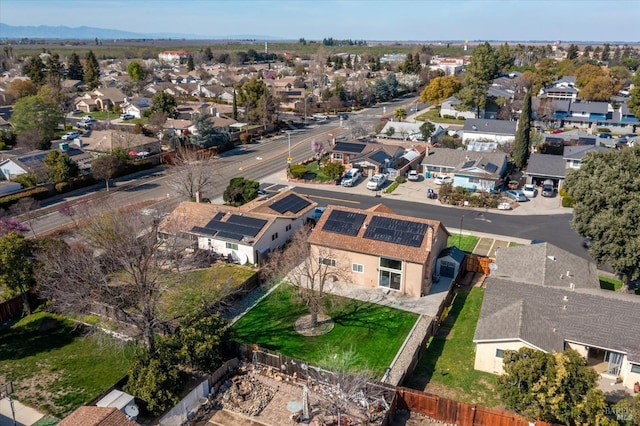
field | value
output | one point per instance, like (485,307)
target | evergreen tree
(75,70)
(234,112)
(417,66)
(190,65)
(606,52)
(34,69)
(521,149)
(54,70)
(572,51)
(91,71)
(208,54)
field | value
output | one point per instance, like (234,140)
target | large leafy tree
(478,74)
(426,130)
(91,71)
(522,145)
(588,72)
(598,89)
(439,89)
(135,71)
(240,191)
(607,208)
(37,113)
(552,387)
(74,69)
(60,167)
(21,88)
(163,103)
(634,97)
(16,265)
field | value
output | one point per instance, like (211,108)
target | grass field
(373,332)
(55,368)
(434,115)
(464,242)
(447,364)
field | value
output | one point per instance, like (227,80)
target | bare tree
(120,263)
(308,269)
(27,209)
(358,130)
(194,172)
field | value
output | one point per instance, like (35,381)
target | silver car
(516,195)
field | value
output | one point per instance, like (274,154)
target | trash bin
(427,174)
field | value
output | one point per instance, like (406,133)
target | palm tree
(400,114)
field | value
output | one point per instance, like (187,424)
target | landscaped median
(375,333)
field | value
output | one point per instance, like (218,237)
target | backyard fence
(454,412)
(475,263)
(14,308)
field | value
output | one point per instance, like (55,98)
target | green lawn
(312,168)
(192,290)
(54,367)
(612,284)
(373,332)
(448,361)
(434,115)
(464,242)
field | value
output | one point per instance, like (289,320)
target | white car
(69,136)
(413,175)
(351,177)
(126,117)
(504,206)
(376,182)
(441,180)
(529,190)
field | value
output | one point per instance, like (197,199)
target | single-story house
(247,233)
(403,130)
(382,158)
(380,249)
(33,162)
(546,166)
(542,297)
(573,155)
(482,131)
(449,105)
(102,99)
(469,169)
(135,106)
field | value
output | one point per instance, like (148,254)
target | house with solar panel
(244,234)
(33,162)
(485,135)
(385,250)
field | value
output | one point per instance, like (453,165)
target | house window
(287,228)
(232,246)
(356,267)
(274,237)
(390,275)
(326,261)
(499,353)
(635,368)
(473,180)
(337,156)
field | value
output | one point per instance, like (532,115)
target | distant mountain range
(90,33)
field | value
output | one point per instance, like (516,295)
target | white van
(351,177)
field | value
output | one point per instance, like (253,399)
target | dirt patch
(441,390)
(304,327)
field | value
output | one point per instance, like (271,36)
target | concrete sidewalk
(25,416)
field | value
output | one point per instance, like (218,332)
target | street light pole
(460,234)
(289,159)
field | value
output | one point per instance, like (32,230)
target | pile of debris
(245,395)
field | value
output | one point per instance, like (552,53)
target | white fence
(187,407)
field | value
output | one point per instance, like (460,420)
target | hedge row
(38,193)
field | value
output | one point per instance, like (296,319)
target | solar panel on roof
(229,235)
(247,221)
(291,203)
(348,147)
(345,223)
(491,168)
(380,156)
(204,231)
(216,225)
(468,164)
(218,216)
(396,231)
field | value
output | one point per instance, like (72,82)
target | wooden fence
(454,412)
(475,263)
(13,308)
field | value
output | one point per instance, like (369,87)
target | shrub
(568,202)
(245,138)
(604,130)
(67,127)
(297,170)
(563,193)
(391,188)
(449,116)
(460,117)
(401,179)
(39,193)
(63,187)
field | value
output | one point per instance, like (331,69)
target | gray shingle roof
(526,299)
(578,152)
(590,107)
(480,125)
(447,157)
(546,165)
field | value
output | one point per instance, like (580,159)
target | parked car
(86,125)
(605,135)
(547,188)
(318,212)
(586,242)
(504,206)
(88,119)
(376,182)
(529,190)
(343,115)
(516,195)
(126,116)
(413,175)
(351,177)
(75,111)
(69,136)
(441,180)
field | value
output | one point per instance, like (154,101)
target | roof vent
(568,273)
(564,307)
(552,258)
(561,276)
(565,298)
(572,286)
(555,330)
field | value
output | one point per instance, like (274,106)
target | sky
(420,20)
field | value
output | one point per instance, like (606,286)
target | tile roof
(97,416)
(359,244)
(526,298)
(546,165)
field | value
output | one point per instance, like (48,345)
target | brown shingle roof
(359,244)
(97,416)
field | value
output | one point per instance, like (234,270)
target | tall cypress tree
(91,71)
(75,70)
(521,149)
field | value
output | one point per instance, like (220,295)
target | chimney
(197,196)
